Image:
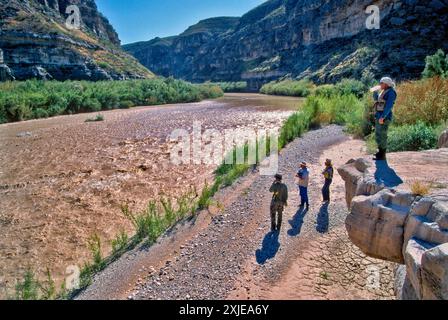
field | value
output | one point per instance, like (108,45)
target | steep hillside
(36,43)
(325,40)
(178,56)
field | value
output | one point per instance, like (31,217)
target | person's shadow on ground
(385,175)
(323,219)
(269,249)
(297,222)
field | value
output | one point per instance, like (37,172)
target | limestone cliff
(325,40)
(389,222)
(35,42)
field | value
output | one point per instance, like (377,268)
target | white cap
(388,81)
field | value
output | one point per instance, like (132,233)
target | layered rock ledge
(389,222)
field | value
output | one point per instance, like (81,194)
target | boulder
(388,222)
(435,273)
(376,224)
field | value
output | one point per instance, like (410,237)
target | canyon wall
(325,40)
(35,42)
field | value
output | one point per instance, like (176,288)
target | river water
(63,180)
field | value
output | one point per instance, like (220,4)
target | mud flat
(62,179)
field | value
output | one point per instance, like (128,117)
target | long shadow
(386,175)
(323,219)
(269,249)
(297,222)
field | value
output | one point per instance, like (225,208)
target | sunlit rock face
(36,43)
(324,40)
(387,221)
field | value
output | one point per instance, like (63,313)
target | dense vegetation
(39,99)
(231,86)
(296,88)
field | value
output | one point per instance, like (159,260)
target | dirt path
(232,255)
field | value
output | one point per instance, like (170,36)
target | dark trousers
(326,190)
(277,209)
(381,131)
(304,196)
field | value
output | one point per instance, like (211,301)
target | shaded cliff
(35,42)
(325,40)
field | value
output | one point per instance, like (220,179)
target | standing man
(303,180)
(328,175)
(279,202)
(384,96)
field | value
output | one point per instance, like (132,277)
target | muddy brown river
(63,180)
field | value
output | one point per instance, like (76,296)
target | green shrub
(415,137)
(351,87)
(38,99)
(120,242)
(231,86)
(297,88)
(326,90)
(28,288)
(94,244)
(436,65)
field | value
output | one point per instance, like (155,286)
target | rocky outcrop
(323,40)
(443,140)
(389,222)
(36,43)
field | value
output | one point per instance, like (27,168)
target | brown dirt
(67,179)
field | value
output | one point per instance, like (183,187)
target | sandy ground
(63,180)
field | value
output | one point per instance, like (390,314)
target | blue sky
(140,20)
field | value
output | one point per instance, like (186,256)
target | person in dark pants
(328,175)
(303,180)
(385,97)
(278,203)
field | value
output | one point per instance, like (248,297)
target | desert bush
(420,188)
(296,88)
(351,86)
(231,86)
(94,244)
(416,137)
(120,242)
(344,87)
(424,100)
(436,65)
(30,288)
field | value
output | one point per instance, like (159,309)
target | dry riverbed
(63,180)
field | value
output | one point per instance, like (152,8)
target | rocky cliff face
(387,221)
(35,42)
(325,40)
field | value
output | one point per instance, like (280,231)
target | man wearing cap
(279,201)
(384,96)
(303,180)
(328,175)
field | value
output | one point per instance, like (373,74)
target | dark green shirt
(280,191)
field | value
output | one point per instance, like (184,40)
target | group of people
(384,96)
(280,192)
